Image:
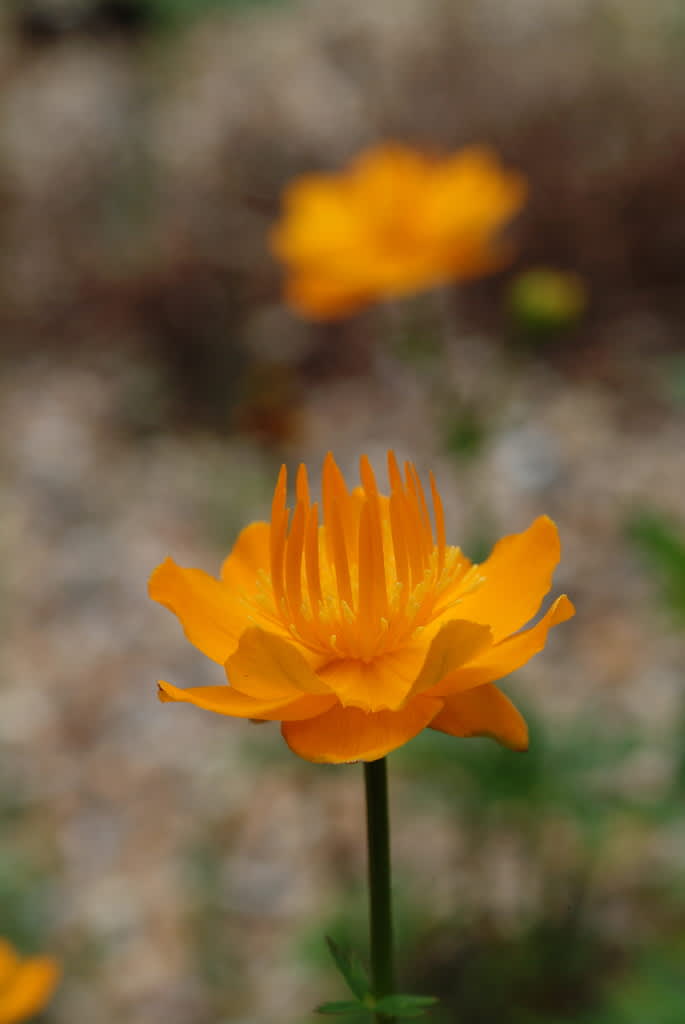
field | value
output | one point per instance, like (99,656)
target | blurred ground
(151,383)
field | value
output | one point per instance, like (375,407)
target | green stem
(380,905)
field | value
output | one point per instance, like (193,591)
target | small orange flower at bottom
(353,622)
(396,221)
(26,986)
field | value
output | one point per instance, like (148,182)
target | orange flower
(25,985)
(395,222)
(355,625)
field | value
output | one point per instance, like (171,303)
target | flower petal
(517,575)
(471,196)
(250,554)
(265,665)
(323,298)
(483,711)
(506,656)
(211,617)
(382,684)
(29,990)
(319,222)
(246,575)
(456,643)
(226,700)
(342,734)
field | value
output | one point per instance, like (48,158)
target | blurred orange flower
(396,221)
(356,625)
(25,985)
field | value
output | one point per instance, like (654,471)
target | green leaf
(351,968)
(404,1006)
(342,1007)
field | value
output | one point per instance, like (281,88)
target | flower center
(373,573)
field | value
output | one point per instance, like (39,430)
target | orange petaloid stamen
(439,523)
(360,583)
(279,526)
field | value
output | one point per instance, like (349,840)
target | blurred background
(185,866)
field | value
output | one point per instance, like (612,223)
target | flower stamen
(279,526)
(376,569)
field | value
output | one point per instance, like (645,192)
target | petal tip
(546,524)
(520,745)
(156,581)
(165,692)
(564,609)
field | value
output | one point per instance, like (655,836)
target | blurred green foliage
(26,873)
(557,808)
(212,942)
(673,378)
(45,20)
(25,892)
(662,545)
(29,893)
(465,432)
(564,771)
(549,966)
(178,12)
(348,924)
(652,993)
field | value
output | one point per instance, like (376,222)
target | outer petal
(382,684)
(266,665)
(250,554)
(243,575)
(319,222)
(457,643)
(472,195)
(342,734)
(225,700)
(483,711)
(506,656)
(29,990)
(211,617)
(517,574)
